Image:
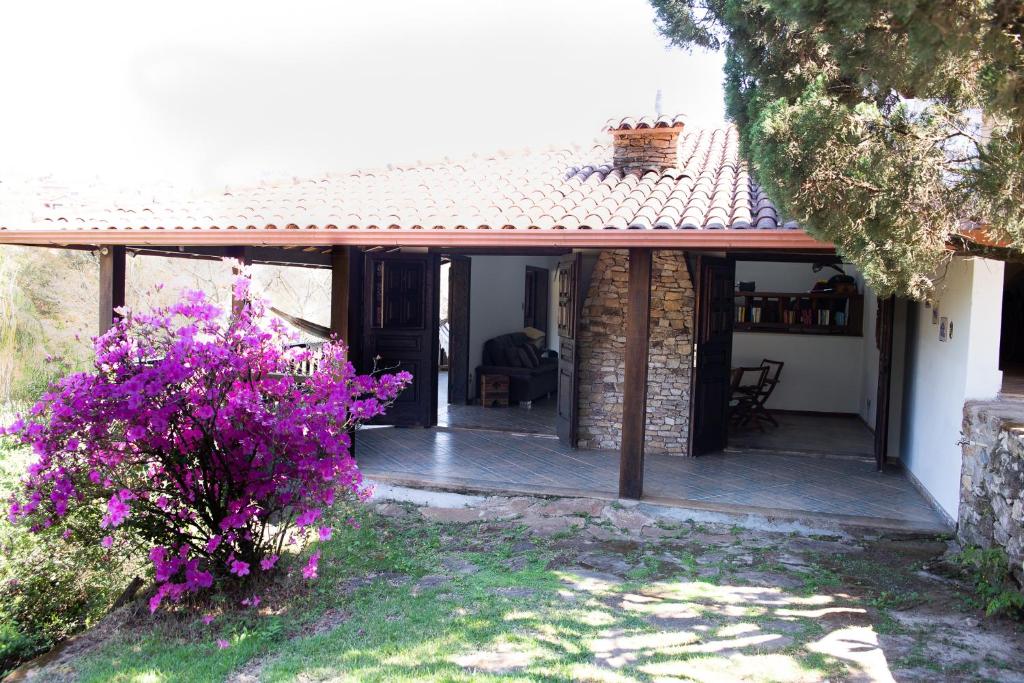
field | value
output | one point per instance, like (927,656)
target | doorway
(454,331)
(787,360)
(1011,336)
(497,368)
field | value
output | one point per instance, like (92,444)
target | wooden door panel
(715,311)
(400,331)
(884,337)
(570,302)
(535,301)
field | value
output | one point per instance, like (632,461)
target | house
(623,259)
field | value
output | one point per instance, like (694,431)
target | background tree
(881,125)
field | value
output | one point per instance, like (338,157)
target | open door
(570,301)
(458,329)
(401,311)
(883,338)
(715,303)
(535,299)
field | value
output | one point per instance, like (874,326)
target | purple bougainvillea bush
(192,434)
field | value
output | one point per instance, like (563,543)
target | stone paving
(727,603)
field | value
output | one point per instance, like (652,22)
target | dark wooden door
(570,301)
(535,299)
(883,338)
(458,329)
(400,330)
(715,302)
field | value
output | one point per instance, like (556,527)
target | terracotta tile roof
(556,189)
(639,123)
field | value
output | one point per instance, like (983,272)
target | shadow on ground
(575,589)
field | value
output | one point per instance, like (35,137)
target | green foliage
(863,119)
(15,646)
(42,332)
(50,586)
(989,569)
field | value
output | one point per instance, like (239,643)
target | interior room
(498,343)
(805,359)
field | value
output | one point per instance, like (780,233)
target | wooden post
(112,277)
(241,256)
(884,335)
(340,292)
(634,392)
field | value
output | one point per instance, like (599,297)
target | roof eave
(779,240)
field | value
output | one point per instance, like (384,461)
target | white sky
(214,92)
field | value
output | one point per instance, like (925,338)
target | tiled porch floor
(538,419)
(832,434)
(787,482)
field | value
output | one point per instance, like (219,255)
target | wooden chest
(494,391)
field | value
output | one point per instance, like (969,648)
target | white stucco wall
(940,376)
(496,300)
(822,373)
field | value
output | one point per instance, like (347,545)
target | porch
(843,489)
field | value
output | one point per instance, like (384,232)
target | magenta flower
(208,619)
(309,571)
(223,644)
(190,426)
(117,511)
(307,517)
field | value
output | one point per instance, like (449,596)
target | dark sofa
(507,355)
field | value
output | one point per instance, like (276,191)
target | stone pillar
(602,340)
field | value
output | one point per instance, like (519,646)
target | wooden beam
(272,256)
(112,279)
(634,391)
(340,292)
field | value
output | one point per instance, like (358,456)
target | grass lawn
(556,591)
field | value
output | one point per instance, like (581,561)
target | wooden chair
(758,411)
(747,383)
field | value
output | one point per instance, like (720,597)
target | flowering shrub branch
(193,434)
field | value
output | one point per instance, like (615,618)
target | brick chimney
(645,144)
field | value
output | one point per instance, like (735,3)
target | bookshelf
(828,313)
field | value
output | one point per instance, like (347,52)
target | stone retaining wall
(602,352)
(992,479)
